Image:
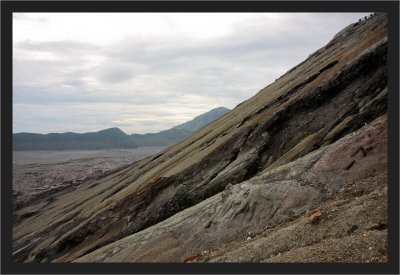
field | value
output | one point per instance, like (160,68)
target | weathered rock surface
(244,187)
(271,200)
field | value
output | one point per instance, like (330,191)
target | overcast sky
(146,72)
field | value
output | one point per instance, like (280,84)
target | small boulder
(315,217)
(191,258)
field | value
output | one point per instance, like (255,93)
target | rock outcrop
(298,168)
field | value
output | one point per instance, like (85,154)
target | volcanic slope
(296,170)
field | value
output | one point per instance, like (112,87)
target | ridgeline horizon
(113,137)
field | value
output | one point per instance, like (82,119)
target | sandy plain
(38,173)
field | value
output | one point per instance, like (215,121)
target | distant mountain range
(104,139)
(202,120)
(112,138)
(179,132)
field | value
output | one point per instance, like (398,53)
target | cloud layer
(149,72)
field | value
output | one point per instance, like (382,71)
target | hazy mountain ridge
(112,138)
(297,173)
(202,120)
(104,139)
(181,131)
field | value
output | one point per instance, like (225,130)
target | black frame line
(10,267)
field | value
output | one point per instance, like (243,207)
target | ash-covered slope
(297,168)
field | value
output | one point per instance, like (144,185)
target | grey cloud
(49,95)
(296,34)
(75,82)
(252,48)
(112,72)
(66,47)
(151,77)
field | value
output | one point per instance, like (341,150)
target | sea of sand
(37,172)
